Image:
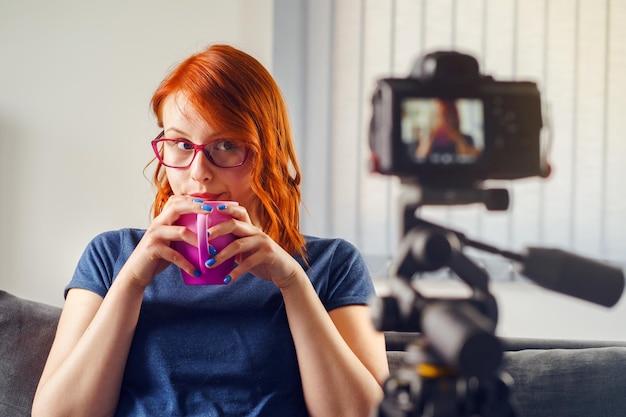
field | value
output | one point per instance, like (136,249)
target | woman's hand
(254,250)
(154,253)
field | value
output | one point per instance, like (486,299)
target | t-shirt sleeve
(97,266)
(345,279)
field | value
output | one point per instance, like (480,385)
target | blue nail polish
(227,279)
(198,200)
(210,262)
(221,207)
(197,273)
(207,207)
(235,265)
(212,250)
(208,234)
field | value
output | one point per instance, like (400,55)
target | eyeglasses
(180,153)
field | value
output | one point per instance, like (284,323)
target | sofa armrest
(27,329)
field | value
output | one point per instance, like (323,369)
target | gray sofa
(552,377)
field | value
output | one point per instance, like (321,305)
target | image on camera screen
(443,131)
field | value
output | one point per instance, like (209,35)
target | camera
(448,125)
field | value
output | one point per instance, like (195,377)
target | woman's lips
(205,196)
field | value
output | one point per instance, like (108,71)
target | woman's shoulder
(338,272)
(121,240)
(323,244)
(333,250)
(103,258)
(110,236)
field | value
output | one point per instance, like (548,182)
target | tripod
(452,368)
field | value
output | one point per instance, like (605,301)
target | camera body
(448,124)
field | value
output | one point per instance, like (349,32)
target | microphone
(574,275)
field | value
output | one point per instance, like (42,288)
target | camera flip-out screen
(441,131)
(453,127)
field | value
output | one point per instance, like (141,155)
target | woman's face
(203,179)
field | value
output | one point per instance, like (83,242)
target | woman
(446,138)
(289,335)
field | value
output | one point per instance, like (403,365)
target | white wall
(76,79)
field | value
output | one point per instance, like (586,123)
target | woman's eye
(225,145)
(184,146)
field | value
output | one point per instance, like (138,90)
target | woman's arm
(342,357)
(84,370)
(83,374)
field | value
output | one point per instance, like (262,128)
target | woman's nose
(201,169)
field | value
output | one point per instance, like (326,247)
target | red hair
(232,91)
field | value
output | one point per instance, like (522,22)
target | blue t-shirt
(223,350)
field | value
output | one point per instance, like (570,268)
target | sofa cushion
(27,329)
(568,382)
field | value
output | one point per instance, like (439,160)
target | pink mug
(199,223)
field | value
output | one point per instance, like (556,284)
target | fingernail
(227,279)
(221,207)
(196,273)
(235,265)
(212,250)
(198,200)
(208,233)
(210,262)
(206,207)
